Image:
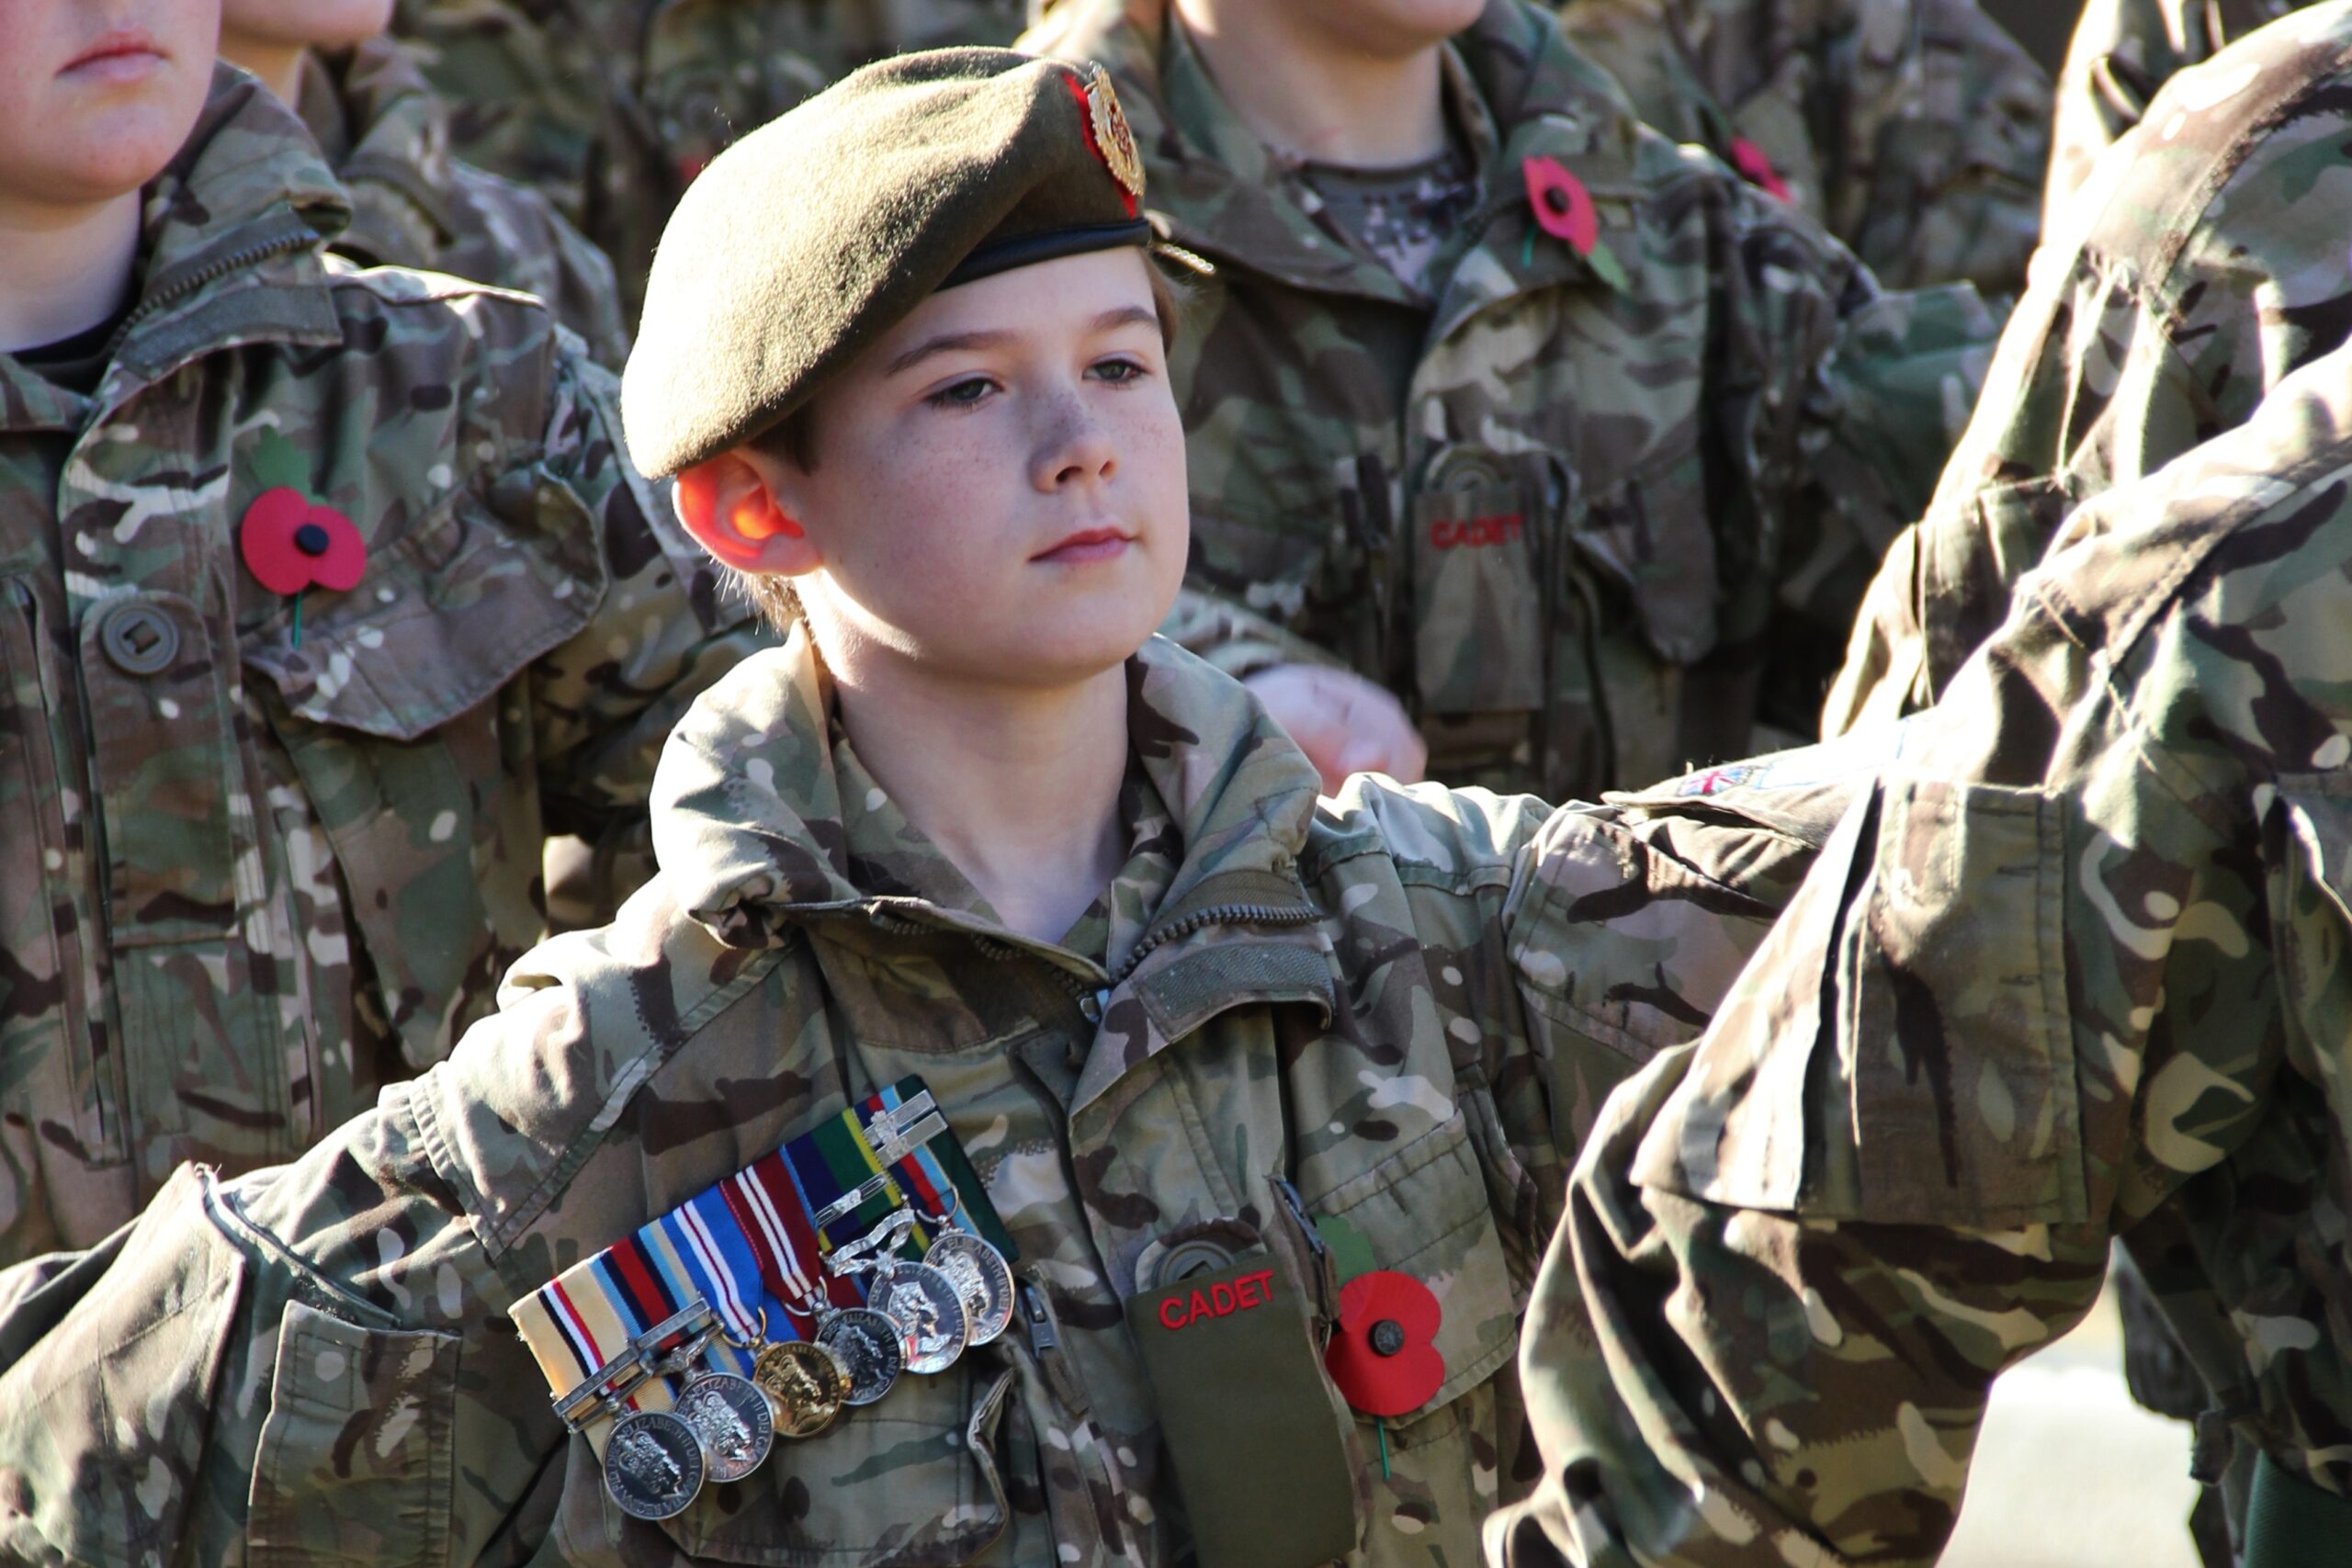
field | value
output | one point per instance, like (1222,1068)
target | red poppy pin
(290,543)
(1750,161)
(1382,1356)
(1564,210)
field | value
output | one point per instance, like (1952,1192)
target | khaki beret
(817,234)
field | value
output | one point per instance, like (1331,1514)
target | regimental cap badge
(1114,143)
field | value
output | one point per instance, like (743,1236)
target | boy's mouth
(1089,544)
(122,55)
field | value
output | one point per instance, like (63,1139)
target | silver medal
(925,1305)
(652,1465)
(981,1278)
(870,1347)
(733,1420)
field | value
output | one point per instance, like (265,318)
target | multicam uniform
(2075,971)
(1409,1003)
(2123,53)
(608,108)
(414,206)
(247,882)
(1582,497)
(2202,265)
(1918,131)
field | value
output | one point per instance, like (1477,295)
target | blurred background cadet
(1566,435)
(412,203)
(609,107)
(1918,131)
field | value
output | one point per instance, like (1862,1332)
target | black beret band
(1028,250)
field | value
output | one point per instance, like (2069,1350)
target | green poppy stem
(298,618)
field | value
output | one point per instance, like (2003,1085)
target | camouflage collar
(1513,80)
(372,112)
(755,837)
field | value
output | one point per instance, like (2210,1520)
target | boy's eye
(961,394)
(1119,372)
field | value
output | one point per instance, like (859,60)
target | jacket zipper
(299,238)
(1216,914)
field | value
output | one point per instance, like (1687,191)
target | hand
(1344,723)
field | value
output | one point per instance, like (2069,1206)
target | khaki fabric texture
(413,205)
(2200,266)
(2072,974)
(609,108)
(244,884)
(2121,54)
(1917,132)
(1409,1003)
(1593,516)
(813,236)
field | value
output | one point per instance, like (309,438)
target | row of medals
(918,1317)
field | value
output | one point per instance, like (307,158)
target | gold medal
(805,1382)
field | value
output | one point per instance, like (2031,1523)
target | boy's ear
(731,512)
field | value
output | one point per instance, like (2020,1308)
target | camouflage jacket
(1583,504)
(608,108)
(2073,971)
(2122,52)
(1918,131)
(415,206)
(245,882)
(2193,276)
(1408,1003)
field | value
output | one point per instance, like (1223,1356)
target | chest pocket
(1424,1213)
(1478,579)
(909,1479)
(394,711)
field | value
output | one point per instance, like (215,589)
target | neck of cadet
(1019,787)
(1306,88)
(63,269)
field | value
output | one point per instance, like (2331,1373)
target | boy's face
(308,24)
(997,485)
(97,96)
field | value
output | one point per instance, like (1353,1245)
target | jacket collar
(754,836)
(1513,80)
(379,122)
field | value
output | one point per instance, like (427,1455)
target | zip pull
(1045,1347)
(1327,1270)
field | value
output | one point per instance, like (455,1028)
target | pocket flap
(1423,1212)
(449,611)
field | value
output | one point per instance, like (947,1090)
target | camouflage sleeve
(2049,970)
(663,632)
(2122,51)
(1236,640)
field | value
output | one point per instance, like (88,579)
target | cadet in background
(414,203)
(1917,132)
(326,595)
(609,107)
(1577,443)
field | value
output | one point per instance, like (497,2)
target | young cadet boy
(324,597)
(1571,439)
(386,136)
(983,917)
